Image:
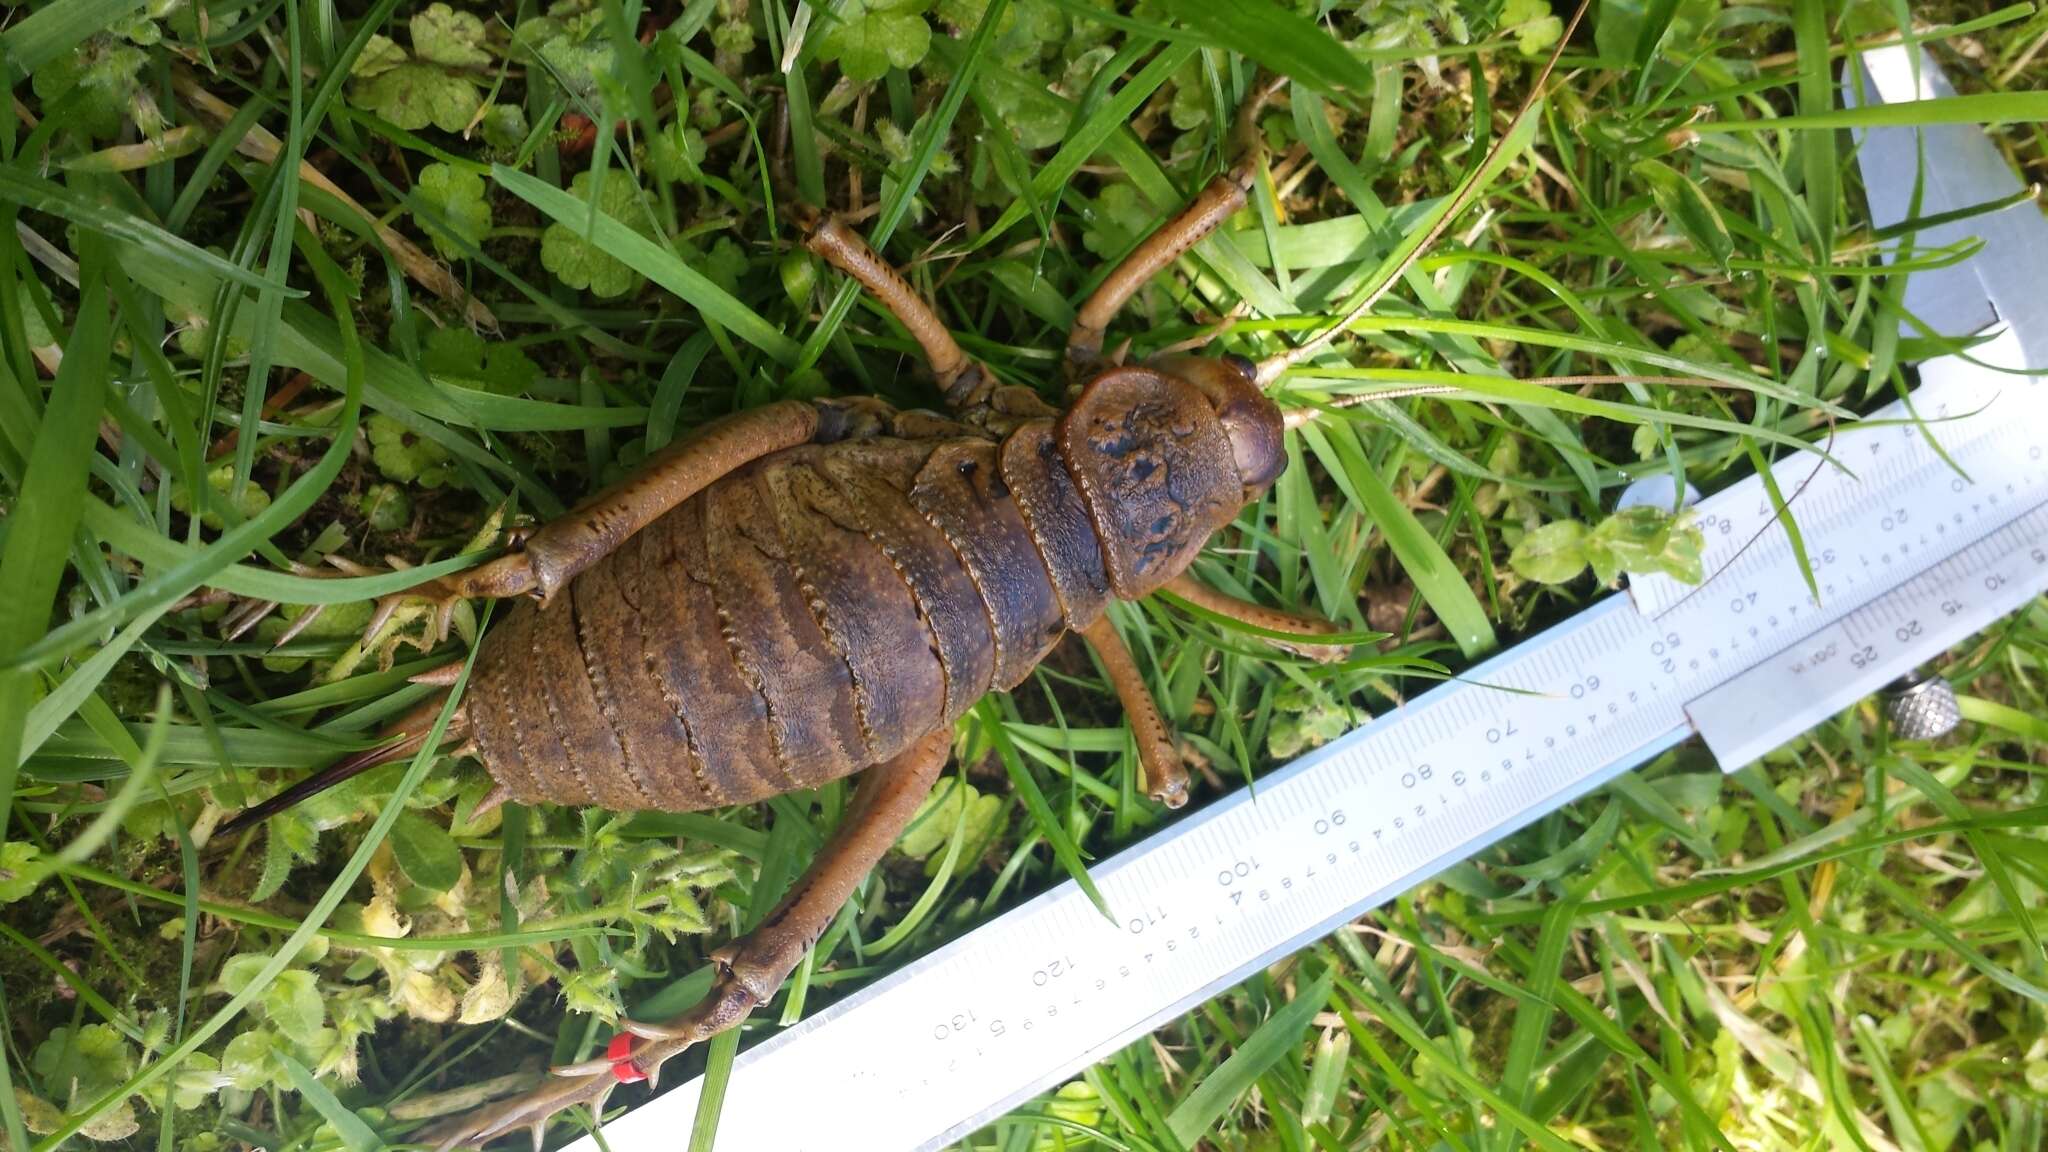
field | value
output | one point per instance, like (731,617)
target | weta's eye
(1243,365)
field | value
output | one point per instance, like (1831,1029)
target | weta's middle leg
(830,237)
(547,560)
(971,390)
(1216,202)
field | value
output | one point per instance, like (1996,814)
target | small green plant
(1639,540)
(869,37)
(579,262)
(436,83)
(458,216)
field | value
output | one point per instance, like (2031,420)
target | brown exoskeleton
(806,590)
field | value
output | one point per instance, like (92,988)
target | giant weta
(807,590)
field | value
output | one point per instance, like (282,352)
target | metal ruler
(1912,552)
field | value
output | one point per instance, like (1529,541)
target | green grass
(1839,948)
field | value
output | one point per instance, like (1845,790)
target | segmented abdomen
(809,615)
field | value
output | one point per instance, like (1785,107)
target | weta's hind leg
(751,968)
(1166,778)
(545,563)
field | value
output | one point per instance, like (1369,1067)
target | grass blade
(54,29)
(1974,108)
(1279,38)
(1086,138)
(1422,558)
(356,1135)
(651,260)
(1049,826)
(18,187)
(39,534)
(1269,1043)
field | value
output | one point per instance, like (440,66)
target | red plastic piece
(620,1053)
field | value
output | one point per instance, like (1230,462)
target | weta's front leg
(749,969)
(1166,778)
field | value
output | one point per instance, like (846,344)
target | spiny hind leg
(1166,778)
(1218,201)
(1266,619)
(748,970)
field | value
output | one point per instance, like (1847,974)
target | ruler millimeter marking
(936,1049)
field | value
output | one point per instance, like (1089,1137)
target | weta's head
(1166,453)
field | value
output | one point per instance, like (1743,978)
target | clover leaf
(504,126)
(732,38)
(577,262)
(21,869)
(1305,719)
(1646,539)
(873,35)
(92,1058)
(676,152)
(1025,32)
(898,145)
(198,1077)
(952,804)
(250,1060)
(1035,123)
(405,457)
(386,507)
(1116,221)
(725,264)
(1534,26)
(457,208)
(1552,554)
(1190,108)
(292,1002)
(1640,539)
(251,502)
(379,56)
